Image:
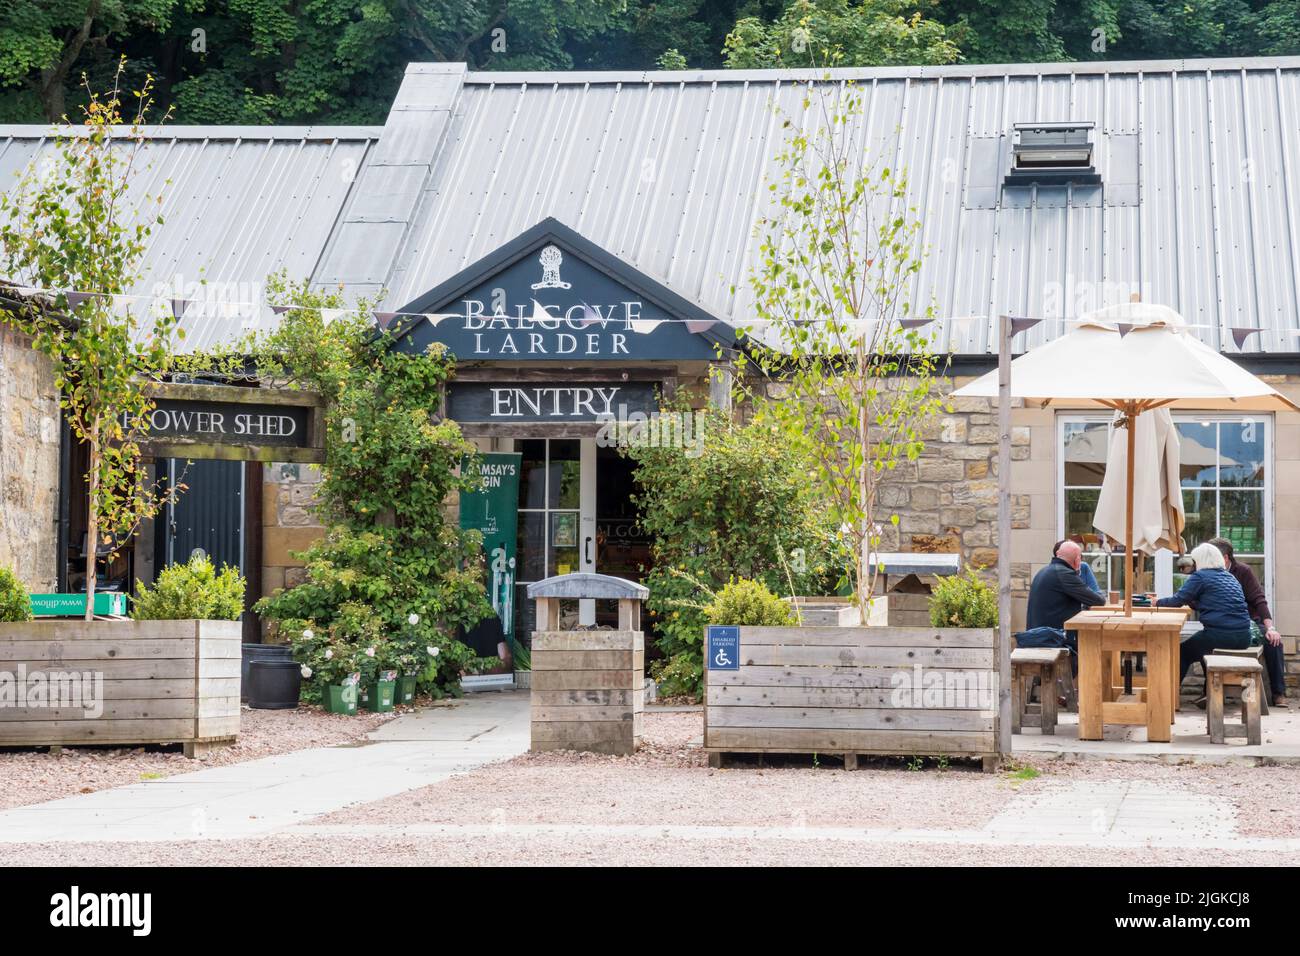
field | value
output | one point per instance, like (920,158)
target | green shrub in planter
(749,604)
(194,590)
(964,600)
(15,602)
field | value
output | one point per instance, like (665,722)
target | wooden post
(1004,535)
(1130,413)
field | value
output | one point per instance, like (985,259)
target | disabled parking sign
(722,650)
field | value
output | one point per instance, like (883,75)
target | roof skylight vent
(1052,154)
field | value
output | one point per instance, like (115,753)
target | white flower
(433,651)
(306,671)
(413,619)
(370,652)
(307,634)
(329,652)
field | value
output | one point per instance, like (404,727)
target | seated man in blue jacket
(1056,595)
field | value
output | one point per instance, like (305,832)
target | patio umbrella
(1158,518)
(1132,358)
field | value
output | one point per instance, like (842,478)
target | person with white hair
(1220,605)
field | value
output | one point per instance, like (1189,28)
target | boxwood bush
(15,602)
(193,590)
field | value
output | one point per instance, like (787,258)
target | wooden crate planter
(846,690)
(164,682)
(588,687)
(839,612)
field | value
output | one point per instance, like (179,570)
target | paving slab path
(262,796)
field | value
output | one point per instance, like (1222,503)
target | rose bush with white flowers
(392,462)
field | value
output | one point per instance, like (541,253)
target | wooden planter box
(163,682)
(849,691)
(839,612)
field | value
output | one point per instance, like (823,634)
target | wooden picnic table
(1104,633)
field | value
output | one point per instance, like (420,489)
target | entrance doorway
(576,513)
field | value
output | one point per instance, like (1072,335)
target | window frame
(1087,416)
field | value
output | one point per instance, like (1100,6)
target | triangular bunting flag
(540,314)
(178,307)
(1240,335)
(914,323)
(329,315)
(645,326)
(280,309)
(76,298)
(699,325)
(436,317)
(385,319)
(1023,325)
(589,316)
(1124,328)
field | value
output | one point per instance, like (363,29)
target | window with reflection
(1223,469)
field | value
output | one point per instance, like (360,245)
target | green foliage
(71,225)
(838,371)
(389,468)
(739,508)
(823,33)
(964,600)
(679,675)
(749,604)
(15,602)
(194,590)
(484,665)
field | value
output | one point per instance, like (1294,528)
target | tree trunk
(51,85)
(92,524)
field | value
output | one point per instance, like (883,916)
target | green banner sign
(494,510)
(74,605)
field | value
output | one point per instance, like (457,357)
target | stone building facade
(289,522)
(29,463)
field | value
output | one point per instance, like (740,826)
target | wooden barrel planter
(896,691)
(119,682)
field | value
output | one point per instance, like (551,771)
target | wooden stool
(1045,663)
(1222,670)
(1250,653)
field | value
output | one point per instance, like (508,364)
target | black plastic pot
(274,685)
(259,652)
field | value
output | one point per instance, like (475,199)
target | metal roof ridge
(311,133)
(1086,67)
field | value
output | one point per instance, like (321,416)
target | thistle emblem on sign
(550,260)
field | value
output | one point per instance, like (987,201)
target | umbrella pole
(1130,414)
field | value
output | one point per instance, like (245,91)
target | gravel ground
(35,776)
(601,851)
(669,781)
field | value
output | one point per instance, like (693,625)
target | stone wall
(288,522)
(29,463)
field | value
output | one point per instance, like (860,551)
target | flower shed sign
(241,424)
(552,295)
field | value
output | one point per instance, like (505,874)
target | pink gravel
(599,850)
(667,781)
(35,776)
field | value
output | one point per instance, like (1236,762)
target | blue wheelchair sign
(722,651)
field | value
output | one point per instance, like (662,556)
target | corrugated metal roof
(239,203)
(1198,207)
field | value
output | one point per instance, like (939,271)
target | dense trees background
(300,61)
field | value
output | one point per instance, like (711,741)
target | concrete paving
(262,796)
(1280,732)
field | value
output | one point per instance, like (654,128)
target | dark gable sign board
(236,424)
(493,309)
(550,402)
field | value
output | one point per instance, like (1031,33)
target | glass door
(556,521)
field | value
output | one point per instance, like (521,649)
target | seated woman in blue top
(1219,602)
